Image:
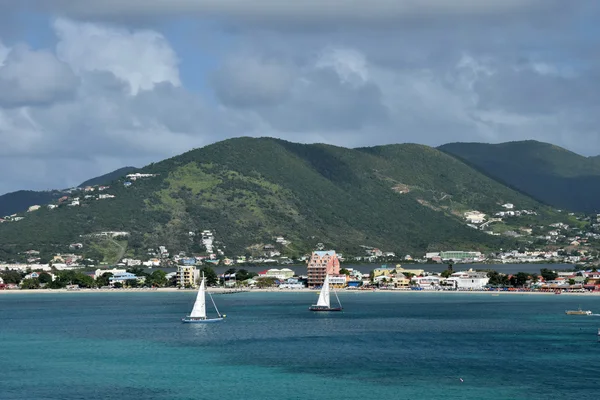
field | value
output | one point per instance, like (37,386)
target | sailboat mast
(336,296)
(214,304)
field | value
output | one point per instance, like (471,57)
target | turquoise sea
(383,346)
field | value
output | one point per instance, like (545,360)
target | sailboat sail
(199,310)
(324,295)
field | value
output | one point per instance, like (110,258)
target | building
(468,280)
(122,277)
(475,217)
(320,264)
(460,255)
(280,274)
(33,208)
(337,280)
(187,276)
(99,272)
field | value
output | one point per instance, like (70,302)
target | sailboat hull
(324,308)
(190,320)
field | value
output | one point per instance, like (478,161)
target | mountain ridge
(404,198)
(548,173)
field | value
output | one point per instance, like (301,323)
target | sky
(90,86)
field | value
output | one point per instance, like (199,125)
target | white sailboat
(198,314)
(324,302)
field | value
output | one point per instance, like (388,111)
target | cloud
(34,78)
(105,98)
(140,58)
(247,81)
(131,101)
(307,10)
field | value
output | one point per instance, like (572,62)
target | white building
(428,282)
(338,280)
(475,217)
(281,274)
(508,206)
(468,280)
(99,272)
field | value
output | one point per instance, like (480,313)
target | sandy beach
(276,290)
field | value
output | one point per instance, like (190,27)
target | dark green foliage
(248,191)
(10,276)
(45,277)
(210,275)
(30,283)
(104,279)
(108,178)
(20,201)
(71,277)
(156,279)
(548,173)
(548,275)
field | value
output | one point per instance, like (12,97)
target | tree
(571,281)
(446,273)
(521,278)
(265,282)
(9,276)
(45,278)
(118,285)
(210,275)
(241,275)
(344,271)
(30,283)
(157,278)
(104,279)
(548,275)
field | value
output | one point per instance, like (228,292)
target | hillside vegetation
(21,200)
(546,172)
(111,176)
(402,198)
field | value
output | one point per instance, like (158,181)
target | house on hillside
(475,217)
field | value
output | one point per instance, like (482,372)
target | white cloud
(140,58)
(34,77)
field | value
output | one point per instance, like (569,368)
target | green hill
(21,200)
(549,173)
(402,198)
(111,176)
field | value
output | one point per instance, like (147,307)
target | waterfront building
(338,280)
(99,272)
(122,277)
(468,280)
(280,274)
(320,264)
(461,255)
(187,276)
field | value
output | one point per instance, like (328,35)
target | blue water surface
(382,346)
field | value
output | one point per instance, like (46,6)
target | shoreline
(276,290)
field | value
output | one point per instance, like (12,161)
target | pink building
(320,264)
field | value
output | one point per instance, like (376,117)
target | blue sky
(87,87)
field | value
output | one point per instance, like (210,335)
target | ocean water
(382,346)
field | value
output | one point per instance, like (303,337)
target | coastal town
(269,264)
(319,264)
